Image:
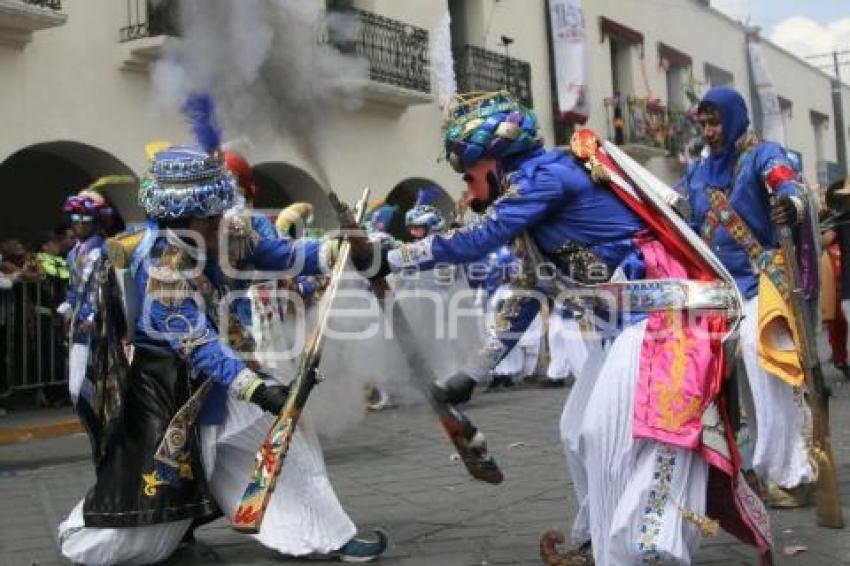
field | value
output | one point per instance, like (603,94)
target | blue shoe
(361,550)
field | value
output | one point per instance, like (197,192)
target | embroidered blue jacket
(183,327)
(241,306)
(553,198)
(80,298)
(760,172)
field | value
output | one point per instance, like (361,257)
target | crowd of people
(644,309)
(32,261)
(33,282)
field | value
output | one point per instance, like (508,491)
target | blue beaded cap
(186,181)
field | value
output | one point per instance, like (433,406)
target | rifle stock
(828,510)
(271,455)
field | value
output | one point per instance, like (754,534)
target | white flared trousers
(567,349)
(631,492)
(781,416)
(304,515)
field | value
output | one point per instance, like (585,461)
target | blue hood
(733,116)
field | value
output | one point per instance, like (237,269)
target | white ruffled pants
(304,515)
(631,492)
(567,349)
(781,416)
(521,361)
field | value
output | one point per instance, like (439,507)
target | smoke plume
(269,66)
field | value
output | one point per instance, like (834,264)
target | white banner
(569,36)
(772,128)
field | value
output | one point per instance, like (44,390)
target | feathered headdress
(442,61)
(428,195)
(199,109)
(425,211)
(186,181)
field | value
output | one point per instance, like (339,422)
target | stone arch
(404,194)
(36,180)
(280,184)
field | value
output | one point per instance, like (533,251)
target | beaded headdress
(488,125)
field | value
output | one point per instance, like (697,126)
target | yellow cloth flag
(777,335)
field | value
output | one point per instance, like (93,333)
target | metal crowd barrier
(33,341)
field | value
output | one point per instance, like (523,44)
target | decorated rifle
(828,501)
(272,453)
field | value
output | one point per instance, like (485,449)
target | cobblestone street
(395,471)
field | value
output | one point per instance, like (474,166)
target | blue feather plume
(199,109)
(428,195)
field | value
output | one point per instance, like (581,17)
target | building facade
(646,56)
(77,99)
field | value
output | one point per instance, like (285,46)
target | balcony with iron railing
(146,18)
(478,69)
(397,52)
(399,68)
(19,19)
(149,23)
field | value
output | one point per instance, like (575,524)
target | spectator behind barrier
(66,238)
(17,262)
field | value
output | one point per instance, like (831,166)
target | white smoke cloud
(361,350)
(805,37)
(267,66)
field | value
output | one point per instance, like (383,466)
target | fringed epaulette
(167,280)
(584,144)
(242,239)
(120,248)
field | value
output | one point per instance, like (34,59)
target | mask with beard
(484,180)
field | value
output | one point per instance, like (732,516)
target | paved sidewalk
(394,471)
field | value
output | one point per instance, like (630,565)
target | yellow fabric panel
(120,248)
(777,335)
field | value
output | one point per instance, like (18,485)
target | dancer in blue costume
(198,411)
(424,217)
(85,212)
(518,186)
(743,174)
(641,498)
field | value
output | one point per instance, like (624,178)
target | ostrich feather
(199,109)
(442,61)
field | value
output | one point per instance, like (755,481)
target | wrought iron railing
(52,4)
(147,18)
(397,52)
(479,69)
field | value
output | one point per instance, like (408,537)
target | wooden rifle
(828,503)
(272,453)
